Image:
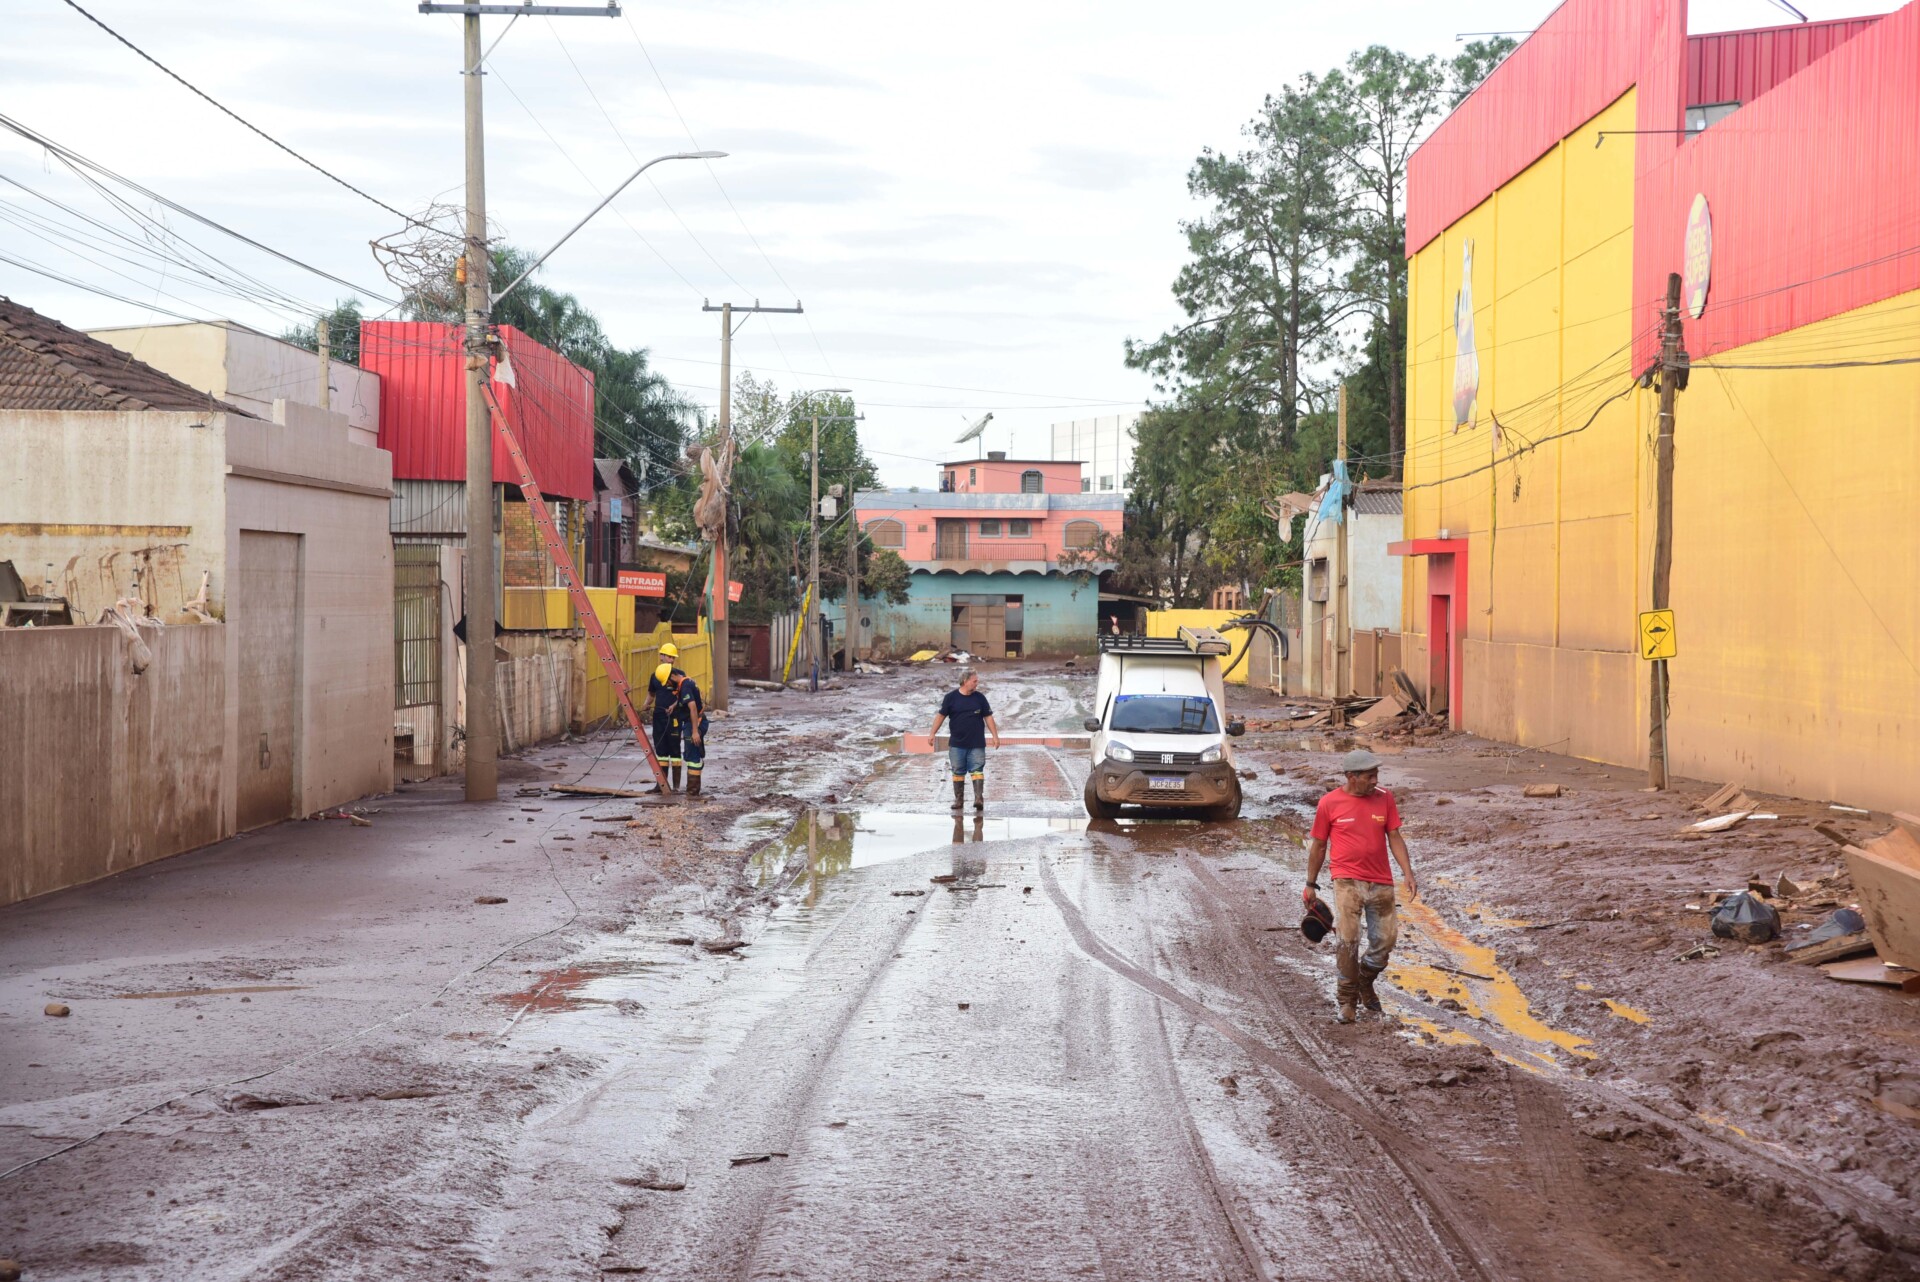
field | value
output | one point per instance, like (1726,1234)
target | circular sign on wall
(1698,272)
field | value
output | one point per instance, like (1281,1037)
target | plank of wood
(1871,970)
(1839,948)
(587,790)
(1886,875)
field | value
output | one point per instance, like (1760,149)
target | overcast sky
(976,204)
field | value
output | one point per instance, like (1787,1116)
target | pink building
(985,546)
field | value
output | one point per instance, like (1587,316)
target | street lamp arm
(677,155)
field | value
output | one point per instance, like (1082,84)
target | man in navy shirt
(972,718)
(690,712)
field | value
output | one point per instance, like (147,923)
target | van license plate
(1167,783)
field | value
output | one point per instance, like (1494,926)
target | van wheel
(1225,810)
(1096,808)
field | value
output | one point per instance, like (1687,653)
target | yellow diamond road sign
(1657,635)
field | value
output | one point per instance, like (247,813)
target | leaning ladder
(582,604)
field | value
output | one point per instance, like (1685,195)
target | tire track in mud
(1421,1166)
(1389,1209)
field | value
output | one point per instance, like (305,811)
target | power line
(93,289)
(244,122)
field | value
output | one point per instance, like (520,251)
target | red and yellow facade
(1544,217)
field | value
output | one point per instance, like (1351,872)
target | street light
(677,155)
(813,573)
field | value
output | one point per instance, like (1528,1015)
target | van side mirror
(1092,725)
(1236,728)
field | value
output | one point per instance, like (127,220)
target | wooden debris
(1886,873)
(1836,949)
(587,790)
(1871,970)
(1541,790)
(1720,799)
(1719,823)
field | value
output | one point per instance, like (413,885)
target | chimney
(996,456)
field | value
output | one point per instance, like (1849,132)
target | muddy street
(821,1027)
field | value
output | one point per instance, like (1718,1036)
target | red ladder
(582,604)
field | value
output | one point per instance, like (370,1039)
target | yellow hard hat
(662,672)
(669,651)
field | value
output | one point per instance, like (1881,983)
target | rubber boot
(979,794)
(1348,989)
(673,777)
(693,783)
(959,794)
(1369,998)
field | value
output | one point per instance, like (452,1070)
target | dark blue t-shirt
(966,716)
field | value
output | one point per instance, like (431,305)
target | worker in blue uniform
(666,730)
(690,710)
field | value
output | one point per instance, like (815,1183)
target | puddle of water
(1485,990)
(922,745)
(1626,1012)
(825,843)
(562,988)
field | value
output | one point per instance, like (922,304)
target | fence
(639,654)
(416,625)
(105,769)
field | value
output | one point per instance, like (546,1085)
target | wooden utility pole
(1672,376)
(1342,643)
(717,603)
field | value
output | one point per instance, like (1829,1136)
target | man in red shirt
(1359,823)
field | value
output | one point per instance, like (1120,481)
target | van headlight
(1210,755)
(1119,752)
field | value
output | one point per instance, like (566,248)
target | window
(1106,482)
(989,529)
(1019,529)
(1708,114)
(1164,714)
(1082,534)
(1086,484)
(1030,482)
(973,476)
(946,483)
(887,534)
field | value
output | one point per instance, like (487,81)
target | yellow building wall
(1796,533)
(639,654)
(1167,623)
(1551,521)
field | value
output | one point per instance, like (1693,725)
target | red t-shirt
(1355,830)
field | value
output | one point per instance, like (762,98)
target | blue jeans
(967,761)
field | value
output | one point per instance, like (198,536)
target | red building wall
(423,411)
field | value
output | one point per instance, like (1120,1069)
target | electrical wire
(244,122)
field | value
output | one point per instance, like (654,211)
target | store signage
(642,583)
(734,589)
(1698,272)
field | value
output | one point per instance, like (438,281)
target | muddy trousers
(968,763)
(1371,905)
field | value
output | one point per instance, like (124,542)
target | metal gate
(416,625)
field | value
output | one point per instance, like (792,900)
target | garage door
(265,610)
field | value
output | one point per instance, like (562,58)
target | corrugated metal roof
(1377,500)
(1739,66)
(45,365)
(423,406)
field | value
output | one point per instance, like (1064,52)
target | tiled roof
(1376,498)
(45,365)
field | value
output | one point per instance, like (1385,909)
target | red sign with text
(734,588)
(642,583)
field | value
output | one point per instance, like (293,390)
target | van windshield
(1164,714)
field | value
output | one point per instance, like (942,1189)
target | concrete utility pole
(717,592)
(1673,365)
(482,720)
(1342,643)
(323,341)
(853,574)
(812,621)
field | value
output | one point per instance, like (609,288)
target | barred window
(1082,534)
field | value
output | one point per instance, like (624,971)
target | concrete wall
(252,370)
(1373,590)
(100,497)
(103,769)
(334,494)
(1061,612)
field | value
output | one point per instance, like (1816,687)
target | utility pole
(853,574)
(482,721)
(322,341)
(1342,643)
(717,591)
(813,573)
(1673,367)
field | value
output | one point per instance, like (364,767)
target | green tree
(1475,63)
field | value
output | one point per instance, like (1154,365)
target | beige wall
(99,496)
(252,370)
(105,770)
(335,495)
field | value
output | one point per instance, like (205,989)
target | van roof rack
(1191,643)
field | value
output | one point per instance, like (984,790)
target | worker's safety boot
(673,778)
(979,794)
(959,794)
(1369,998)
(693,783)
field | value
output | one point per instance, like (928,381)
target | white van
(1160,727)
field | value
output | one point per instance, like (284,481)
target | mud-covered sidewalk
(815,1026)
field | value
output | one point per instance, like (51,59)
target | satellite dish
(974,431)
